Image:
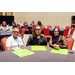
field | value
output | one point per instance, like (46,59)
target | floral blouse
(62,41)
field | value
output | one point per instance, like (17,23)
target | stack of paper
(38,48)
(60,51)
(22,52)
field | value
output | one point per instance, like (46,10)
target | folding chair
(56,26)
(26,28)
(3,41)
(67,27)
(65,32)
(70,43)
(33,27)
(49,26)
(46,32)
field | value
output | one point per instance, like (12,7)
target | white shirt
(11,42)
(4,28)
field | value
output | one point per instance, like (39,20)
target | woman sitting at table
(4,26)
(57,41)
(14,41)
(14,25)
(37,38)
(32,23)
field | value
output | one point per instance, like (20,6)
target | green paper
(9,31)
(60,51)
(38,48)
(17,49)
(23,53)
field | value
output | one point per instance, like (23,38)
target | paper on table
(38,48)
(17,49)
(9,31)
(23,53)
(60,51)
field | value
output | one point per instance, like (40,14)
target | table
(39,56)
(5,33)
(51,31)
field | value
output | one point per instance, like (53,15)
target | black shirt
(33,41)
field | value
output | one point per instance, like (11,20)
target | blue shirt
(25,23)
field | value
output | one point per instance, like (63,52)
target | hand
(56,46)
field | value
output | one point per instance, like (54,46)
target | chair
(65,32)
(19,30)
(56,26)
(22,34)
(26,27)
(49,26)
(18,25)
(42,27)
(46,32)
(3,41)
(71,32)
(67,27)
(33,27)
(70,43)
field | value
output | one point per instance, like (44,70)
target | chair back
(49,26)
(18,25)
(65,32)
(26,26)
(46,32)
(22,34)
(42,27)
(67,27)
(72,30)
(33,26)
(70,43)
(56,26)
(19,29)
(3,41)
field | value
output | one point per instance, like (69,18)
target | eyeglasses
(15,31)
(37,29)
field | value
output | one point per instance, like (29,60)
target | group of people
(56,41)
(32,23)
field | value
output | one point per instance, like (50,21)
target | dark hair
(14,22)
(5,23)
(34,35)
(39,23)
(53,32)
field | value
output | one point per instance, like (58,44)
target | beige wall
(47,18)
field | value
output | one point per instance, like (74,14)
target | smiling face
(56,32)
(15,32)
(37,30)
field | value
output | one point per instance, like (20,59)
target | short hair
(15,28)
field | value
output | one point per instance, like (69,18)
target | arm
(64,40)
(8,44)
(8,48)
(29,41)
(50,42)
(45,42)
